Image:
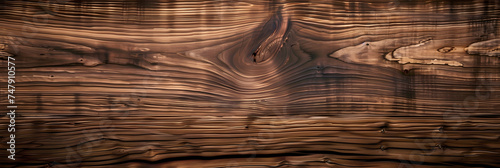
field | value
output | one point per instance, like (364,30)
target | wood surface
(250,83)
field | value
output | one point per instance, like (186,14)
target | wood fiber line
(174,83)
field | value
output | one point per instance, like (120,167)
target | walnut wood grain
(369,83)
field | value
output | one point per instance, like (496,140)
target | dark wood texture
(290,83)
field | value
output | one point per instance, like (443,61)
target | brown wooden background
(237,83)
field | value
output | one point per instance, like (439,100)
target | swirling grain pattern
(282,83)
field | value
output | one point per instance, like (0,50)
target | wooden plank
(369,83)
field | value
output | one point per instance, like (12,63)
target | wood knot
(383,127)
(254,56)
(383,148)
(406,71)
(446,49)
